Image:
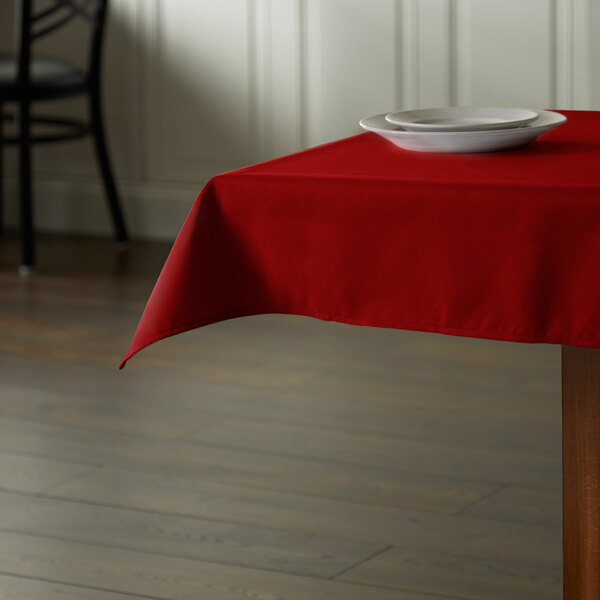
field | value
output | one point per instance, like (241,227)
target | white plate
(462,118)
(463,141)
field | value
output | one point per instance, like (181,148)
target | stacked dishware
(462,129)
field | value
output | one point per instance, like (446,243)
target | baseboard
(153,211)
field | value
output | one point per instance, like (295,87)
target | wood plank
(459,575)
(318,516)
(155,576)
(95,410)
(367,483)
(500,465)
(200,539)
(33,474)
(19,588)
(521,505)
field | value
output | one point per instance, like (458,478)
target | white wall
(197,87)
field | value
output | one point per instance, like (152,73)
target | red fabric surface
(502,245)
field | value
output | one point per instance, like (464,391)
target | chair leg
(1,168)
(25,190)
(105,168)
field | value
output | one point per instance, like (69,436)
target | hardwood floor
(270,457)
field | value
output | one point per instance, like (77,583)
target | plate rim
(533,114)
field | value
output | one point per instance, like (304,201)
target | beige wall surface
(197,87)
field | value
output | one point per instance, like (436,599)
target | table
(501,246)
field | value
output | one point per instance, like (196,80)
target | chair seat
(50,78)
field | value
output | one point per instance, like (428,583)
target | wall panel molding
(505,52)
(574,63)
(582,54)
(260,77)
(425,52)
(462,52)
(281,102)
(408,32)
(435,52)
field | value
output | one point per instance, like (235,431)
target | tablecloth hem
(484,333)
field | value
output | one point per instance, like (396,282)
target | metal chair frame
(31,26)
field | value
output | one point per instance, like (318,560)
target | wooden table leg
(581,472)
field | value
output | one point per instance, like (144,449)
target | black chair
(26,78)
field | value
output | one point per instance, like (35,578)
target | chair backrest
(34,24)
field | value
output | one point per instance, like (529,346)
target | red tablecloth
(502,245)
